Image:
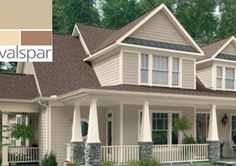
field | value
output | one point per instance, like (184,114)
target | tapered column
(77,144)
(146,145)
(93,146)
(27,123)
(213,137)
(5,139)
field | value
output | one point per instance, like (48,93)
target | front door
(202,124)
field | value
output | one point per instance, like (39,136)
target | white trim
(230,130)
(159,49)
(195,123)
(112,125)
(76,29)
(121,66)
(36,80)
(121,115)
(172,19)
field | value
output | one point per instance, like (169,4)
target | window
(160,70)
(229,78)
(175,72)
(160,128)
(219,77)
(175,116)
(233,128)
(84,128)
(144,68)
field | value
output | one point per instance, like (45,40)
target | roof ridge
(219,40)
(97,26)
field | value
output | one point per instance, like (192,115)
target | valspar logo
(26,54)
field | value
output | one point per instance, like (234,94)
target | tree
(117,13)
(198,18)
(9,67)
(228,18)
(67,13)
(146,5)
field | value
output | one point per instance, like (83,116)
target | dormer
(217,70)
(153,50)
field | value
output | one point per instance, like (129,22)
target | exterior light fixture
(224,120)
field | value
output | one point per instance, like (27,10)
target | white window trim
(150,69)
(223,77)
(169,112)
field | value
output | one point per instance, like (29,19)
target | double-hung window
(175,71)
(160,70)
(160,128)
(219,77)
(144,68)
(229,78)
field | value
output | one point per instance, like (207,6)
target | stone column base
(214,150)
(93,154)
(77,153)
(145,150)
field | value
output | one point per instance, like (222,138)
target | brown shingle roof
(211,48)
(112,35)
(68,71)
(17,86)
(94,35)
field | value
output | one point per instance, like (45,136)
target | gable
(230,49)
(160,28)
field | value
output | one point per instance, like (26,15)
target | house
(116,95)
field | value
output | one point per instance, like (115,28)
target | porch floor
(226,161)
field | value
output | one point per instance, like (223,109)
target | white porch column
(93,131)
(76,127)
(27,123)
(5,139)
(213,128)
(146,124)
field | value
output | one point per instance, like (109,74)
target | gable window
(160,70)
(229,78)
(175,72)
(144,68)
(219,77)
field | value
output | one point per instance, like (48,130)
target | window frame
(221,78)
(150,70)
(142,68)
(230,79)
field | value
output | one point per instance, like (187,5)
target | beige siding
(42,133)
(108,70)
(160,28)
(205,75)
(230,49)
(28,68)
(188,80)
(130,68)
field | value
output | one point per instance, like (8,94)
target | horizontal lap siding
(205,75)
(130,68)
(188,80)
(160,28)
(28,68)
(42,133)
(61,131)
(108,70)
(230,49)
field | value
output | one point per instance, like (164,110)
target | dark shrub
(49,160)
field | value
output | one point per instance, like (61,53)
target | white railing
(23,154)
(120,154)
(68,152)
(180,153)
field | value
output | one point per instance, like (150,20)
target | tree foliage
(228,18)
(67,12)
(117,13)
(146,5)
(9,67)
(198,18)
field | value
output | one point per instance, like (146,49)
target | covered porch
(129,128)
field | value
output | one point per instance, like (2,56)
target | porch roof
(17,86)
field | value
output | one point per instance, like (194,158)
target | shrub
(49,160)
(133,163)
(189,140)
(146,162)
(107,163)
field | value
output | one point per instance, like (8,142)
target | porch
(120,128)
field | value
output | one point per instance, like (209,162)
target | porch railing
(120,154)
(68,152)
(180,153)
(23,154)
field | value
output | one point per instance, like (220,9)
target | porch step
(226,162)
